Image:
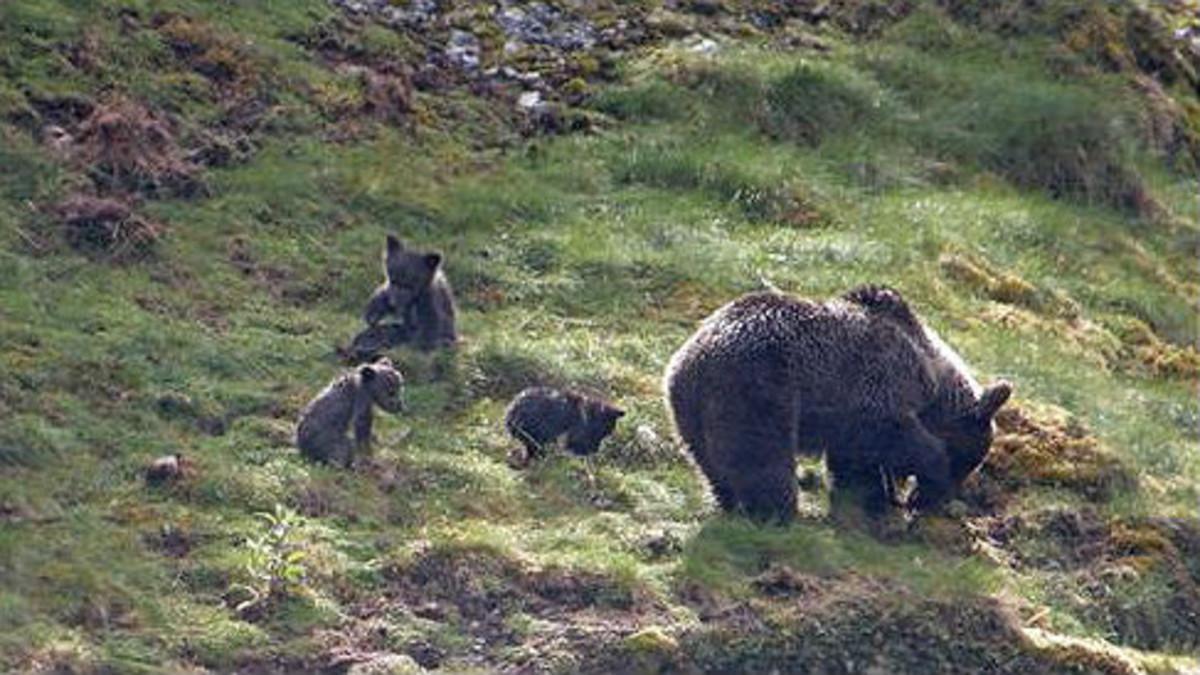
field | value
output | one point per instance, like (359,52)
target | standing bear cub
(858,378)
(539,415)
(348,402)
(417,293)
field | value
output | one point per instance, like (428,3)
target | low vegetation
(193,201)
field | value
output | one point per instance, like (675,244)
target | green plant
(274,562)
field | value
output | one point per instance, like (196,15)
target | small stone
(166,469)
(529,100)
(705,47)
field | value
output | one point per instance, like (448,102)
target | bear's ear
(993,397)
(366,373)
(394,245)
(432,260)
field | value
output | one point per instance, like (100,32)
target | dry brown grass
(126,147)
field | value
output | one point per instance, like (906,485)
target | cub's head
(408,272)
(968,434)
(598,421)
(384,383)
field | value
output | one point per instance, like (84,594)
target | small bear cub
(538,416)
(417,293)
(348,401)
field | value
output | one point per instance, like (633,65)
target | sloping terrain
(193,202)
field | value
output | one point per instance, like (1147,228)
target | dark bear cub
(348,402)
(417,293)
(857,378)
(539,415)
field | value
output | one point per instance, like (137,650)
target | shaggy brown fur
(417,292)
(858,378)
(348,401)
(539,415)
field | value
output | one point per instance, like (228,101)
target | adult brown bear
(858,378)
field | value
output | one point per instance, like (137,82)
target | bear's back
(541,413)
(836,357)
(334,403)
(957,389)
(796,330)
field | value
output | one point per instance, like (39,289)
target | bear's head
(409,273)
(597,420)
(968,433)
(384,383)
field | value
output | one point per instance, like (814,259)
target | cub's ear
(394,245)
(367,373)
(993,397)
(432,260)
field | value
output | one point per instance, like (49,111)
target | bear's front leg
(919,453)
(363,422)
(859,484)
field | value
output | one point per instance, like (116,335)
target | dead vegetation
(477,593)
(1053,453)
(218,56)
(850,624)
(1135,578)
(127,148)
(107,227)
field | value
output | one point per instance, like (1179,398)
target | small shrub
(275,563)
(811,103)
(126,147)
(108,227)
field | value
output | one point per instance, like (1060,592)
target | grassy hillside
(193,200)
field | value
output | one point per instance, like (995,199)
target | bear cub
(348,402)
(417,293)
(538,416)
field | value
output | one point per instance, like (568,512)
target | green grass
(584,259)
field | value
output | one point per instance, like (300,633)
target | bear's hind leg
(717,480)
(753,450)
(767,493)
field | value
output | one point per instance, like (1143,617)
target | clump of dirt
(1053,453)
(127,148)
(1136,578)
(781,581)
(216,56)
(107,227)
(1143,350)
(62,110)
(169,469)
(476,592)
(174,541)
(480,585)
(1001,286)
(856,624)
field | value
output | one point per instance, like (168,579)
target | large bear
(858,378)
